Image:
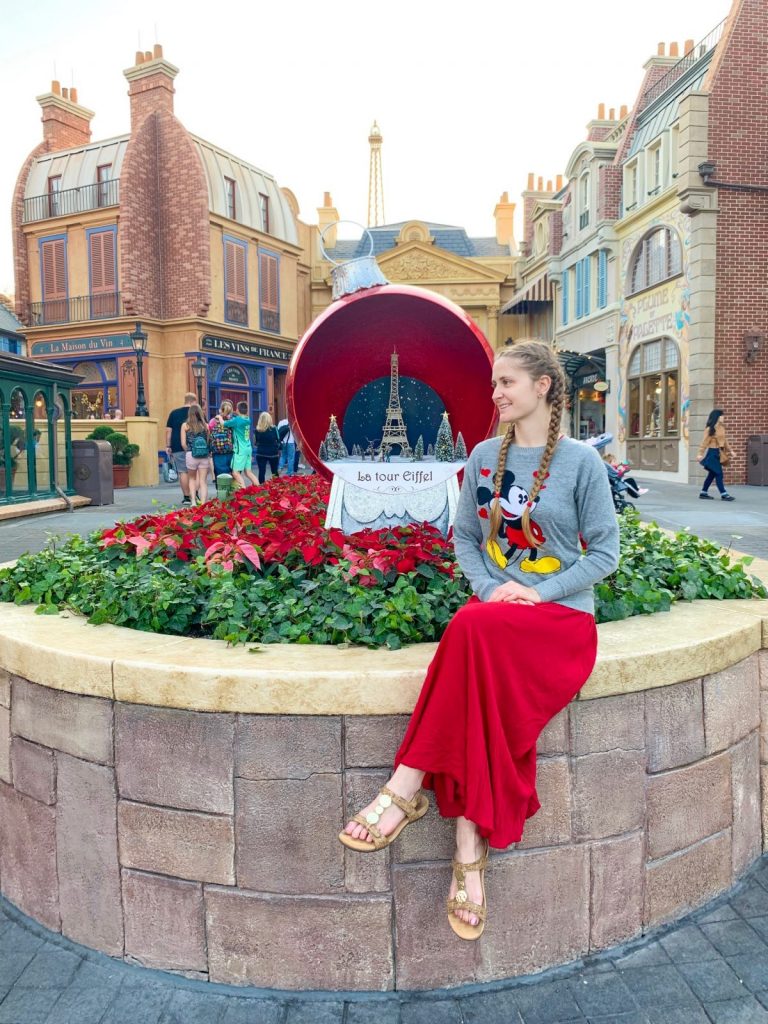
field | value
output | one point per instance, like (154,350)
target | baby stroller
(623,487)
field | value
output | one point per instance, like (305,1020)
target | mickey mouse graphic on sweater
(511,543)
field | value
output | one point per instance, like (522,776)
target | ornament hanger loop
(339,263)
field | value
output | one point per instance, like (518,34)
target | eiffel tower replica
(394,427)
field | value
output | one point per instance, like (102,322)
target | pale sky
(469,96)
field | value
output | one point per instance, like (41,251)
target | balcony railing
(676,72)
(82,307)
(72,200)
(235,312)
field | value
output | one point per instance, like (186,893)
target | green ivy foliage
(311,605)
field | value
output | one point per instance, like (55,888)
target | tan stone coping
(36,508)
(64,652)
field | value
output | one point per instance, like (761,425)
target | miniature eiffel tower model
(394,428)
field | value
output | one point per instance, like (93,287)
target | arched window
(654,390)
(657,257)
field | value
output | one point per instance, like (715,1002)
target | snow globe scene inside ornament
(389,390)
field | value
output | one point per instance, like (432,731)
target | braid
(495,521)
(557,395)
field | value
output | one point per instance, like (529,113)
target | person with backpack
(195,440)
(288,452)
(222,446)
(267,446)
(240,426)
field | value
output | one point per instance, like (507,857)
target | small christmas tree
(444,444)
(431,452)
(461,449)
(334,443)
(418,452)
(323,453)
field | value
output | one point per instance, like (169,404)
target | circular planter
(182,800)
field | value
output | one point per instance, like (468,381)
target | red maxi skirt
(500,673)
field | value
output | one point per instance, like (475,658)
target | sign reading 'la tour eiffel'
(394,427)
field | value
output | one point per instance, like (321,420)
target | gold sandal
(461,902)
(413,810)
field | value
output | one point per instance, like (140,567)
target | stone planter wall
(205,842)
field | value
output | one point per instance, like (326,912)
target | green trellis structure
(35,397)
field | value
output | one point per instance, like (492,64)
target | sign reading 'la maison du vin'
(231,346)
(80,346)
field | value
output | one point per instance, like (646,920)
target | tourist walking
(289,453)
(242,455)
(222,445)
(714,453)
(523,645)
(173,448)
(196,444)
(267,442)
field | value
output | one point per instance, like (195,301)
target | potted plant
(123,452)
(17,447)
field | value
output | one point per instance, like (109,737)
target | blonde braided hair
(538,360)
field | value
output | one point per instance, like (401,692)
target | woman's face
(516,394)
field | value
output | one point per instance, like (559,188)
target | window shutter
(579,290)
(586,280)
(54,269)
(102,256)
(234,271)
(566,276)
(269,291)
(602,278)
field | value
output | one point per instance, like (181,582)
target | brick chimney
(531,196)
(151,85)
(65,123)
(504,215)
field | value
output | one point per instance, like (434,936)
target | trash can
(757,460)
(92,466)
(225,485)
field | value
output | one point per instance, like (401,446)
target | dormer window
(583,201)
(54,195)
(103,176)
(654,170)
(264,208)
(230,194)
(631,186)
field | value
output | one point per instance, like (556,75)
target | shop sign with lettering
(230,346)
(233,375)
(81,346)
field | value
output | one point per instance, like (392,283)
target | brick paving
(710,968)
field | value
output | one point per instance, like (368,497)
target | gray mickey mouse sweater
(575,499)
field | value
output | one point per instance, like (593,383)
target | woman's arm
(468,536)
(184,432)
(599,527)
(722,439)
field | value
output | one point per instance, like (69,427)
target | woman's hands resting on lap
(515,593)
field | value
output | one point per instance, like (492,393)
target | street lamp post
(198,370)
(139,342)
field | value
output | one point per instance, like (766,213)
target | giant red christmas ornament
(351,343)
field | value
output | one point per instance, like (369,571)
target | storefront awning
(530,298)
(578,366)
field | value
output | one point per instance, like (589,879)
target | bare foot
(469,848)
(406,783)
